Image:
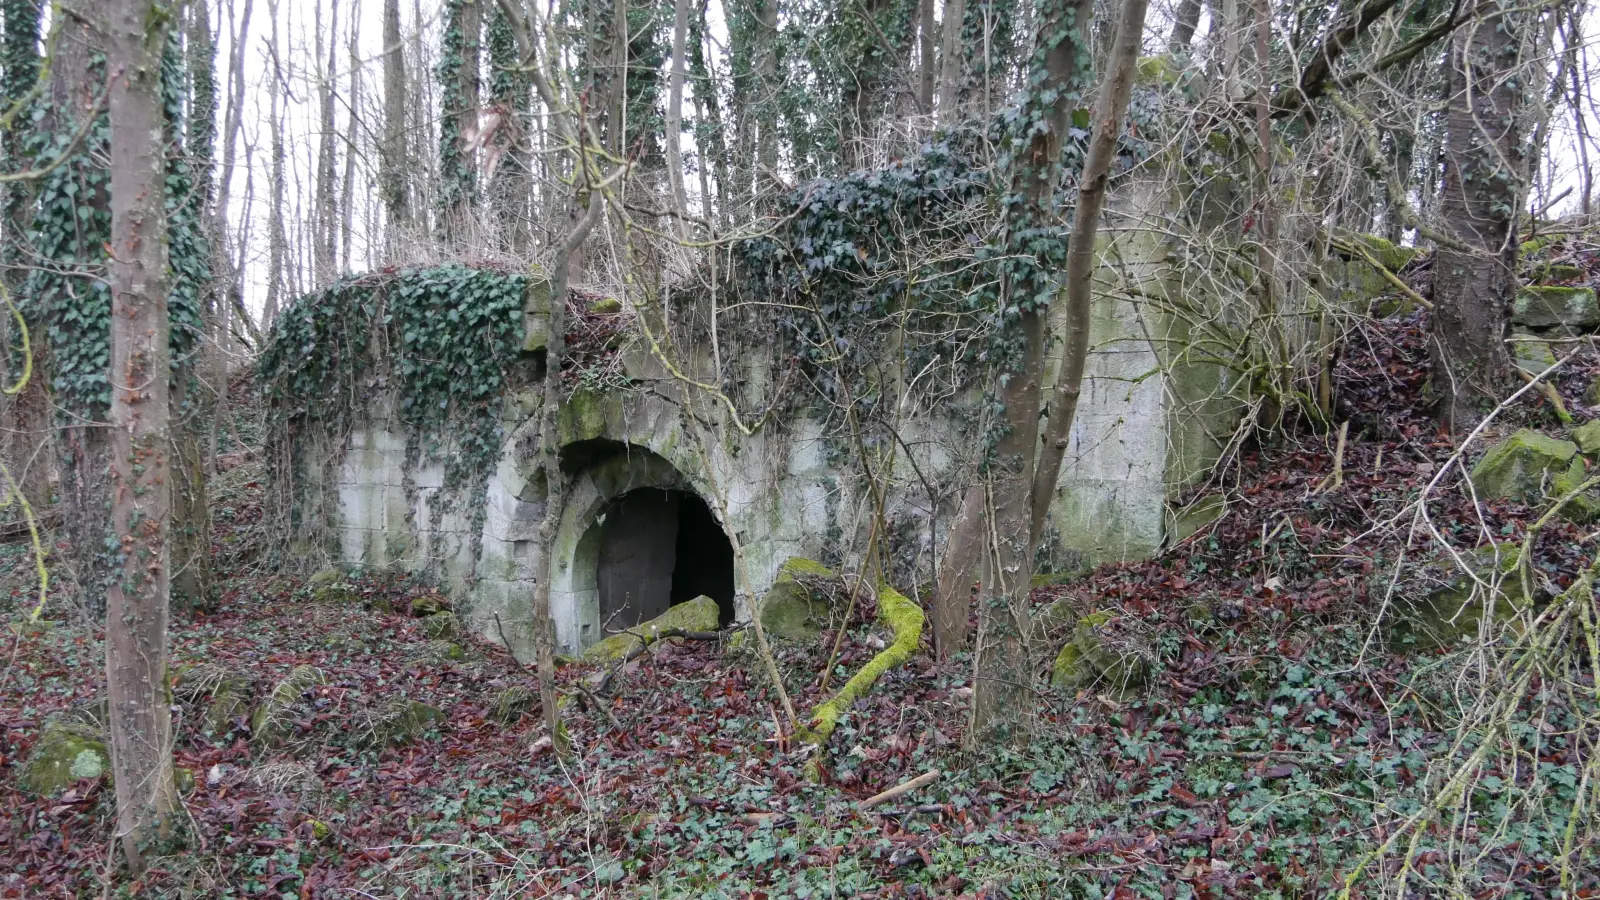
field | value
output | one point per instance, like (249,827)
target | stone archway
(635,538)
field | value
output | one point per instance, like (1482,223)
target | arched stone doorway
(659,548)
(635,538)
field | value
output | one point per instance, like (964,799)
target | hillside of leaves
(1281,738)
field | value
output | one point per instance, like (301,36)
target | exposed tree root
(902,616)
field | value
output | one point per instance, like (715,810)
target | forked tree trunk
(1483,179)
(136,620)
(1003,670)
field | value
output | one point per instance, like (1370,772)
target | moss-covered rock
(1531,354)
(699,614)
(442,626)
(331,586)
(230,702)
(1452,609)
(271,721)
(65,753)
(1184,523)
(1384,252)
(606,306)
(425,605)
(1546,306)
(511,704)
(1515,468)
(794,608)
(1582,508)
(1092,657)
(399,721)
(1587,437)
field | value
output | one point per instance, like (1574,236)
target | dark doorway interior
(659,548)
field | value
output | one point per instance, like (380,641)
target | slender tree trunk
(1003,671)
(1109,108)
(393,177)
(1183,27)
(351,135)
(136,621)
(952,599)
(277,239)
(325,228)
(926,62)
(951,55)
(674,148)
(1482,195)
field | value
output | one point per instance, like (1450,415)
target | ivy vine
(442,341)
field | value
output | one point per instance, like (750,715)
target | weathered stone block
(442,626)
(1183,523)
(399,721)
(699,614)
(64,753)
(1546,306)
(511,704)
(1587,437)
(1515,468)
(792,609)
(1453,611)
(1092,657)
(272,718)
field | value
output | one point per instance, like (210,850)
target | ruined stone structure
(662,507)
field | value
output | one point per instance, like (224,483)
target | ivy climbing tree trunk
(136,622)
(1003,676)
(1484,159)
(25,414)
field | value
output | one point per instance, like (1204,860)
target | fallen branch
(905,787)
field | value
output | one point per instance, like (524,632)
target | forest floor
(1281,740)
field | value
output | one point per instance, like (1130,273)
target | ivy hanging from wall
(440,343)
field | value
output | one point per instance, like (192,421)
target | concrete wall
(1149,423)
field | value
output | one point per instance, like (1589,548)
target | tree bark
(325,215)
(277,238)
(952,599)
(926,62)
(1109,108)
(674,148)
(1482,194)
(136,621)
(1183,27)
(393,177)
(950,57)
(1003,671)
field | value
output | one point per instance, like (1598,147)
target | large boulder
(1582,508)
(1515,468)
(699,614)
(1547,306)
(1095,657)
(796,605)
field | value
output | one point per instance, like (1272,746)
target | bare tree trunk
(1183,27)
(950,54)
(325,230)
(952,600)
(674,149)
(1109,108)
(393,178)
(1483,178)
(351,135)
(136,620)
(926,63)
(277,239)
(1003,669)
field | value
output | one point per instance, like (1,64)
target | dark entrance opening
(659,548)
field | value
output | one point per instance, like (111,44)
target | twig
(904,787)
(1335,479)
